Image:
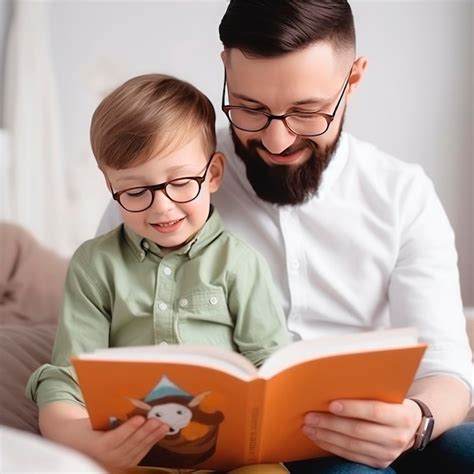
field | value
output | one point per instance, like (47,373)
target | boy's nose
(277,138)
(162,203)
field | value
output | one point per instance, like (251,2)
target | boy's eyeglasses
(179,190)
(307,124)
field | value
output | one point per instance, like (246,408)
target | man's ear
(224,57)
(216,172)
(358,70)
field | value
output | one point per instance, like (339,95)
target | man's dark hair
(269,28)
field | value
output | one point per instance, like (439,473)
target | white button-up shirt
(373,249)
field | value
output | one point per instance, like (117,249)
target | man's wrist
(425,428)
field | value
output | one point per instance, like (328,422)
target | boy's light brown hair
(147,115)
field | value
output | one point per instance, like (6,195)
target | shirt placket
(163,311)
(295,264)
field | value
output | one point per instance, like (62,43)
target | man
(355,239)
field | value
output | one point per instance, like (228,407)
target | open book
(223,412)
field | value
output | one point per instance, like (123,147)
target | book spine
(254,425)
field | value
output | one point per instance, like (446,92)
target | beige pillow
(31,277)
(23,348)
(31,288)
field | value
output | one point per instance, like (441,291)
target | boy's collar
(210,230)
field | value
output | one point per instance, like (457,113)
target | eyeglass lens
(179,190)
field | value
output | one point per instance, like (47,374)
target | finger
(124,431)
(375,411)
(359,429)
(149,435)
(133,448)
(139,451)
(139,436)
(355,457)
(354,445)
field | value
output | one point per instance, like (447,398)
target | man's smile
(293,158)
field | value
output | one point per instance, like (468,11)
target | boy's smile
(167,223)
(170,226)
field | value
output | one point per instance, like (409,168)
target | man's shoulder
(373,164)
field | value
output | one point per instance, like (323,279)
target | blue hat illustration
(166,388)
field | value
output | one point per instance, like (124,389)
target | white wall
(416,102)
(5,11)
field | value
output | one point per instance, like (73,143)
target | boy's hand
(368,432)
(125,446)
(120,448)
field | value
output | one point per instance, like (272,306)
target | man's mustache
(303,145)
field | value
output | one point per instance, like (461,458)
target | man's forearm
(447,397)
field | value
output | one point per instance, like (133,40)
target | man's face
(283,167)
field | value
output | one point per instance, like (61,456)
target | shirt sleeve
(83,327)
(424,289)
(260,325)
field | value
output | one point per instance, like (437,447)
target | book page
(302,351)
(190,354)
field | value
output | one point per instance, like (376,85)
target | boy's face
(167,223)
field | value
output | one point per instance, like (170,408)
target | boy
(168,274)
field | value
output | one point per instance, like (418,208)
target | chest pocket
(204,318)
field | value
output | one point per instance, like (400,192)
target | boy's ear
(216,172)
(107,182)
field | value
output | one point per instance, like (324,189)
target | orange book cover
(223,412)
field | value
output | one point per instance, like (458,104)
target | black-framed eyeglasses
(305,124)
(179,190)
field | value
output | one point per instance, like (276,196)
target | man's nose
(277,138)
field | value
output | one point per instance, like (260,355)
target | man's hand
(368,432)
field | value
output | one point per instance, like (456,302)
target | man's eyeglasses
(179,190)
(310,124)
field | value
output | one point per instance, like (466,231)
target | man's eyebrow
(316,101)
(247,99)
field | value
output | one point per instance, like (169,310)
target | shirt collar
(211,229)
(334,169)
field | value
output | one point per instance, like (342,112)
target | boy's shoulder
(108,244)
(232,247)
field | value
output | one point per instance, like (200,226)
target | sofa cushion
(31,277)
(23,347)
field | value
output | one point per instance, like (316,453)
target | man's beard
(284,184)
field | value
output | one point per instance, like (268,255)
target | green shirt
(121,290)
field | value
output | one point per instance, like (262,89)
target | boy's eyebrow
(129,178)
(144,178)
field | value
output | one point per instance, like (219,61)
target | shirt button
(142,254)
(167,271)
(295,264)
(162,306)
(213,300)
(183,303)
(145,245)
